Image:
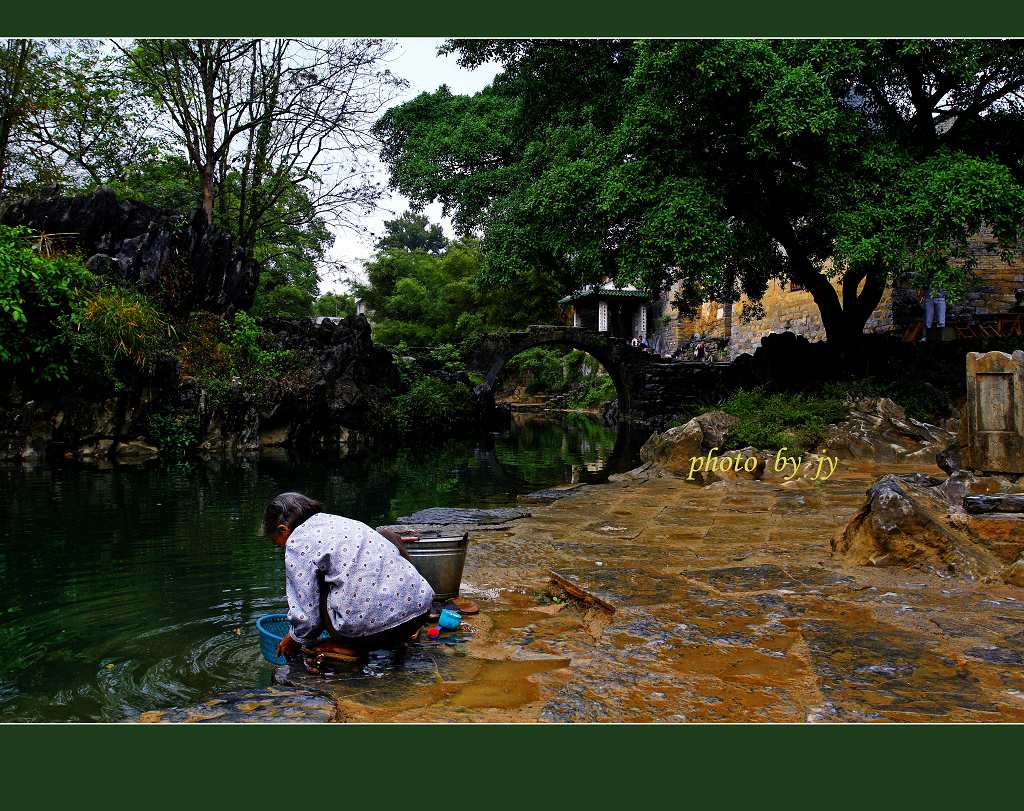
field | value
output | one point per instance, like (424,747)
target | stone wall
(998,279)
(788,310)
(664,324)
(793,310)
(711,319)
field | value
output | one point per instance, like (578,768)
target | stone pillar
(576,318)
(602,316)
(995,412)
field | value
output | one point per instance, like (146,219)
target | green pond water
(136,588)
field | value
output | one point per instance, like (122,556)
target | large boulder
(879,430)
(183,264)
(349,380)
(672,450)
(919,522)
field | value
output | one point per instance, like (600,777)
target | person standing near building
(934,310)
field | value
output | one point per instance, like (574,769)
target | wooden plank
(579,592)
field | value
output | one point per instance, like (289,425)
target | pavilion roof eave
(606,292)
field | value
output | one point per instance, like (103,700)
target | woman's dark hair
(290,509)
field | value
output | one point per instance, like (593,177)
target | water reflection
(136,588)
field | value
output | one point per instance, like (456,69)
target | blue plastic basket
(272,628)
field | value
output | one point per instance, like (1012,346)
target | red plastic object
(410,538)
(434,631)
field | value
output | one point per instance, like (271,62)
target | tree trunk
(844,320)
(208,193)
(12,109)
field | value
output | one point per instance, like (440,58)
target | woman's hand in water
(287,647)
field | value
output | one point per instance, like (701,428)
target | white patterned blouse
(370,586)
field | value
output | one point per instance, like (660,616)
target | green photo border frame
(577,766)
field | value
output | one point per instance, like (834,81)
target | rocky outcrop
(880,430)
(876,429)
(919,522)
(182,264)
(349,380)
(329,407)
(672,451)
(1000,503)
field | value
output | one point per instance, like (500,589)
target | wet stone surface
(723,604)
(549,495)
(271,705)
(768,577)
(453,515)
(884,672)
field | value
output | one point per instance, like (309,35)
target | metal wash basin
(440,560)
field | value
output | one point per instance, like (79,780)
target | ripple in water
(136,588)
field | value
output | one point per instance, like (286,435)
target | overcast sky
(416,60)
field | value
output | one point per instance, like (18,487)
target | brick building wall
(794,310)
(999,280)
(787,310)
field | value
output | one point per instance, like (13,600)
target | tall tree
(412,232)
(267,115)
(206,87)
(723,164)
(18,85)
(89,125)
(425,299)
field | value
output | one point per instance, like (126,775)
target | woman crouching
(344,578)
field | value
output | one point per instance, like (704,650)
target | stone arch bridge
(651,389)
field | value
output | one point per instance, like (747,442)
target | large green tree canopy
(724,164)
(424,290)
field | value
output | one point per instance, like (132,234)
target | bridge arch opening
(494,354)
(559,374)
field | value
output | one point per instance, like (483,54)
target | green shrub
(335,304)
(38,294)
(430,404)
(285,301)
(201,347)
(174,433)
(395,333)
(917,399)
(800,420)
(469,325)
(216,351)
(122,330)
(593,391)
(258,368)
(771,421)
(448,356)
(541,368)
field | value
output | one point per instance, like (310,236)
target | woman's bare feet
(332,650)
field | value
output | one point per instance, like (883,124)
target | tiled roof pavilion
(608,289)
